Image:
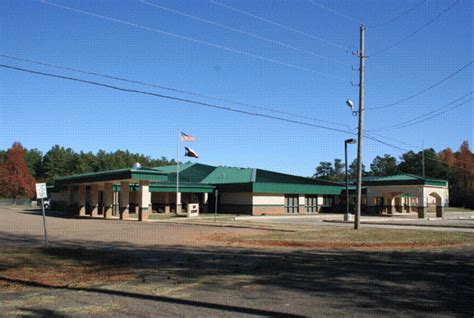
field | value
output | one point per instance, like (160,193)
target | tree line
(60,161)
(456,167)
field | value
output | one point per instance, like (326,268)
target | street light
(347,216)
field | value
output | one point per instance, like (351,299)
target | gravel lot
(178,271)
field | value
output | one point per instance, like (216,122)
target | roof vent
(136,165)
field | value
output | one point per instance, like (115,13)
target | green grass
(365,237)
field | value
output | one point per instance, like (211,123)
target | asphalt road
(181,274)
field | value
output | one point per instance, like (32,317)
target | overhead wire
(283,26)
(186,38)
(422,117)
(249,34)
(410,35)
(400,15)
(186,92)
(423,90)
(335,12)
(214,106)
(189,101)
(436,115)
(405,143)
(438,160)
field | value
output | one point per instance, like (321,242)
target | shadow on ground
(426,283)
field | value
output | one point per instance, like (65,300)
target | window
(328,200)
(311,203)
(291,203)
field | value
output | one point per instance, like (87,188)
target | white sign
(41,191)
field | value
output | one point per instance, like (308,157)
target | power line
(194,102)
(417,30)
(335,12)
(438,160)
(281,25)
(169,89)
(407,144)
(135,91)
(414,120)
(395,18)
(182,37)
(424,90)
(249,34)
(436,115)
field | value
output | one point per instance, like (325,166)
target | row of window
(292,204)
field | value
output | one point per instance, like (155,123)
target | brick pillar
(82,200)
(94,200)
(167,202)
(70,202)
(144,200)
(421,212)
(124,200)
(108,200)
(439,211)
(421,205)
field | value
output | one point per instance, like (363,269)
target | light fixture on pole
(347,215)
(350,104)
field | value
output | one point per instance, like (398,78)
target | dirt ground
(106,268)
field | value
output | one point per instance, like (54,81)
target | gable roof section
(277,177)
(403,179)
(229,175)
(188,172)
(118,174)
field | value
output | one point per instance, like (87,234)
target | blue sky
(309,77)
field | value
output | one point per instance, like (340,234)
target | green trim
(407,195)
(171,187)
(403,179)
(113,175)
(292,188)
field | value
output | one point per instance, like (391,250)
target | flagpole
(177,174)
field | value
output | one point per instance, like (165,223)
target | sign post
(41,193)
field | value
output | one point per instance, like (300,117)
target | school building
(203,188)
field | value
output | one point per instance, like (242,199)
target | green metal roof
(111,175)
(226,175)
(402,179)
(196,177)
(188,172)
(172,168)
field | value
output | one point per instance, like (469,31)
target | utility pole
(361,127)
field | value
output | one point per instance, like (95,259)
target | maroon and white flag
(190,153)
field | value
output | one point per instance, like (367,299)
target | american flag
(185,137)
(190,153)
